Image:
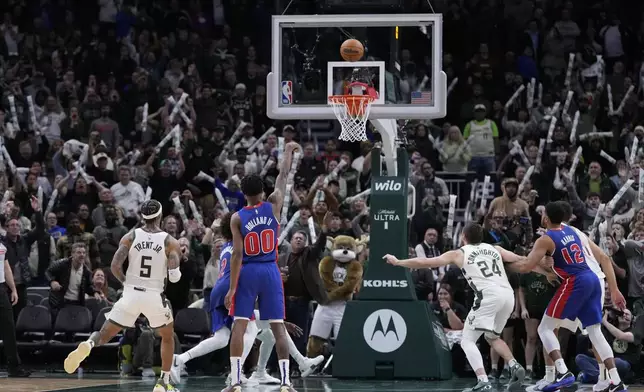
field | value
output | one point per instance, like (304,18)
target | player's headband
(152,216)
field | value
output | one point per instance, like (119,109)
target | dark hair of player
(473,233)
(226,231)
(150,211)
(555,212)
(252,185)
(567,210)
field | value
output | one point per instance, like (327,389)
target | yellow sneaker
(163,387)
(74,359)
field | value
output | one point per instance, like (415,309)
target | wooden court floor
(101,383)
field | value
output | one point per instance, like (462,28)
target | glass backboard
(402,62)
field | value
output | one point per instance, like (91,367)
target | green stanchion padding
(386,332)
(391,339)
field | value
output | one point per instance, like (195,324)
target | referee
(8,298)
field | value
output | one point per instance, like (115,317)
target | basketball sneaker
(262,377)
(177,369)
(76,357)
(516,375)
(601,385)
(479,387)
(309,365)
(614,387)
(287,388)
(232,388)
(538,387)
(561,381)
(243,381)
(161,386)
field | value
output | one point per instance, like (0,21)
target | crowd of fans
(76,168)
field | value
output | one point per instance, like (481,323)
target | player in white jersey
(602,266)
(482,266)
(153,255)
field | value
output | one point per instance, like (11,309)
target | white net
(352,112)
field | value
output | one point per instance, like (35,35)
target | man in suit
(70,279)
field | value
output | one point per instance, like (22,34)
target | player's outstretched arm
(544,246)
(609,271)
(235,258)
(507,256)
(173,253)
(277,197)
(512,258)
(121,255)
(423,262)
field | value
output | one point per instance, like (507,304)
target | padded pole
(387,130)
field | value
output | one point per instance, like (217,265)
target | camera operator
(625,335)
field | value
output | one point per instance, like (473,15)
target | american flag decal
(421,97)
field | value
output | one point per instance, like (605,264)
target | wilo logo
(388,186)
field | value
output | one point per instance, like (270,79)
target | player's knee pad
(546,331)
(251,328)
(547,324)
(599,342)
(266,336)
(315,346)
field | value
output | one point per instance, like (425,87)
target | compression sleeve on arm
(174,275)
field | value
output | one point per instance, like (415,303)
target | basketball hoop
(352,110)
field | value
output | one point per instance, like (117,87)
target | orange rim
(356,104)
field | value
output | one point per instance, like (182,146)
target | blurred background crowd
(78,158)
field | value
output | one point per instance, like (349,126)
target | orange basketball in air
(352,50)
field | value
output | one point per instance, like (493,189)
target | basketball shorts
(134,302)
(574,325)
(261,283)
(578,301)
(491,311)
(218,313)
(327,319)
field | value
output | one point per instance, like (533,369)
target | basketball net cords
(354,126)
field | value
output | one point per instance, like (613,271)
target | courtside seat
(45,302)
(191,326)
(73,322)
(33,327)
(95,306)
(33,298)
(98,324)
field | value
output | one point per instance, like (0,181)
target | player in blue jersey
(254,275)
(222,322)
(578,296)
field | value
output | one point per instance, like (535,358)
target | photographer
(625,337)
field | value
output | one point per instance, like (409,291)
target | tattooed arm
(173,252)
(121,255)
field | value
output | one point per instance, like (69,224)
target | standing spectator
(107,237)
(128,195)
(70,279)
(18,249)
(455,154)
(55,231)
(429,248)
(9,299)
(302,283)
(486,144)
(64,247)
